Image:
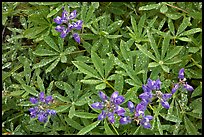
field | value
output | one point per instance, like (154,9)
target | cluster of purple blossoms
(182,82)
(40,110)
(65,25)
(110,106)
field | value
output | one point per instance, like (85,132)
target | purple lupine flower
(60,28)
(119,111)
(125,120)
(63,33)
(174,89)
(51,112)
(150,83)
(117,100)
(145,121)
(146,88)
(146,95)
(42,96)
(166,96)
(48,99)
(33,111)
(157,84)
(98,105)
(181,74)
(131,106)
(76,37)
(42,117)
(64,16)
(78,25)
(58,20)
(102,96)
(33,100)
(72,15)
(164,103)
(140,108)
(102,115)
(188,87)
(111,117)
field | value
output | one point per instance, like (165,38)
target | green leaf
(86,69)
(153,64)
(141,24)
(19,78)
(113,36)
(171,26)
(171,117)
(73,123)
(109,64)
(197,91)
(184,39)
(153,44)
(173,16)
(51,43)
(165,45)
(61,98)
(88,128)
(191,129)
(17,93)
(114,26)
(52,66)
(196,105)
(50,87)
(30,90)
(85,115)
(172,61)
(108,131)
(161,24)
(69,50)
(191,31)
(184,25)
(71,111)
(97,63)
(165,68)
(133,22)
(91,81)
(149,7)
(44,62)
(32,32)
(40,83)
(53,12)
(173,53)
(62,108)
(159,126)
(164,9)
(146,52)
(101,86)
(89,14)
(195,115)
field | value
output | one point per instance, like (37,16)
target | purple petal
(59,28)
(131,106)
(78,25)
(48,99)
(42,96)
(150,84)
(165,104)
(42,117)
(76,37)
(119,111)
(119,100)
(111,117)
(102,96)
(63,33)
(64,16)
(145,95)
(102,115)
(125,120)
(33,100)
(73,15)
(145,88)
(97,105)
(51,112)
(114,95)
(181,74)
(174,89)
(188,87)
(167,96)
(157,84)
(58,20)
(140,108)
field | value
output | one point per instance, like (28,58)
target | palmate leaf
(30,90)
(88,128)
(85,115)
(71,111)
(114,26)
(191,129)
(51,43)
(173,53)
(52,66)
(84,68)
(97,63)
(44,62)
(73,123)
(40,83)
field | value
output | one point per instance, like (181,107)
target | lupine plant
(102,68)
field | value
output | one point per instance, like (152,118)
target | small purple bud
(42,118)
(33,100)
(157,84)
(119,111)
(42,96)
(150,84)
(51,112)
(114,96)
(63,33)
(131,106)
(174,89)
(125,120)
(33,112)
(111,117)
(145,95)
(188,87)
(73,15)
(145,121)
(97,105)
(102,96)
(165,104)
(48,99)
(76,37)
(58,20)
(64,16)
(181,74)
(140,108)
(102,115)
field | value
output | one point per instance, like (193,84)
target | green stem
(109,85)
(177,8)
(115,129)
